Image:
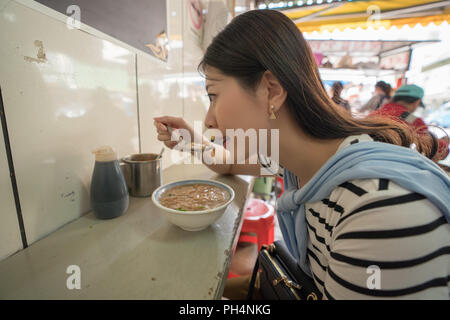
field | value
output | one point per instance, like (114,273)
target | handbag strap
(251,287)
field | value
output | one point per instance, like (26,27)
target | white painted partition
(65,93)
(10,241)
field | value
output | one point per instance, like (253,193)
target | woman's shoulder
(380,202)
(361,192)
(375,222)
(354,139)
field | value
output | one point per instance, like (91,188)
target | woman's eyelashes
(211,96)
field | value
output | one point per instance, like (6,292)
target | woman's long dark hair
(261,40)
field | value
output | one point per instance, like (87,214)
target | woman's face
(378,90)
(232,106)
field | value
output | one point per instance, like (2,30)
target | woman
(356,196)
(381,97)
(336,90)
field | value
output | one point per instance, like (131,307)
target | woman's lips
(225,139)
(220,140)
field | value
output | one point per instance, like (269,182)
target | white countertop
(138,255)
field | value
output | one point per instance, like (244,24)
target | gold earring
(272,114)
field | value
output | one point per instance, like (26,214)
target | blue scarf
(363,160)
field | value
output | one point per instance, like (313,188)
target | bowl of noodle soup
(193,204)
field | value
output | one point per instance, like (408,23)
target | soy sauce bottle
(109,192)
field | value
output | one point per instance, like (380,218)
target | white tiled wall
(175,88)
(159,84)
(195,102)
(68,91)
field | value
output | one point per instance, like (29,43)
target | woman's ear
(274,91)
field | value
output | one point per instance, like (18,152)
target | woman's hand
(165,135)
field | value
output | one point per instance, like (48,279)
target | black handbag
(280,277)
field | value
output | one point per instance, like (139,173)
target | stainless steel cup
(142,173)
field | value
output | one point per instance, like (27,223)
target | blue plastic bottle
(109,192)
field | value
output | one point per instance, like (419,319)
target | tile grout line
(12,173)
(182,58)
(137,101)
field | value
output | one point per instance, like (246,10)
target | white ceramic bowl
(192,220)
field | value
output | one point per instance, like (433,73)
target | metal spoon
(169,128)
(201,147)
(161,153)
(194,146)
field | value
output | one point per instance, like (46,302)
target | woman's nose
(210,120)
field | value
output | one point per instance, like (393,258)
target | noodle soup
(194,197)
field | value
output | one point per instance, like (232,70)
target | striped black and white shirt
(373,239)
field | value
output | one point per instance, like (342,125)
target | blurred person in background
(382,96)
(406,100)
(336,91)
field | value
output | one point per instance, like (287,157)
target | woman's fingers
(165,135)
(174,122)
(166,138)
(160,128)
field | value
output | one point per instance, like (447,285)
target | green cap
(411,90)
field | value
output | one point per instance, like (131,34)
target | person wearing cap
(405,101)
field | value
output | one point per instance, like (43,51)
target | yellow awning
(368,13)
(330,26)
